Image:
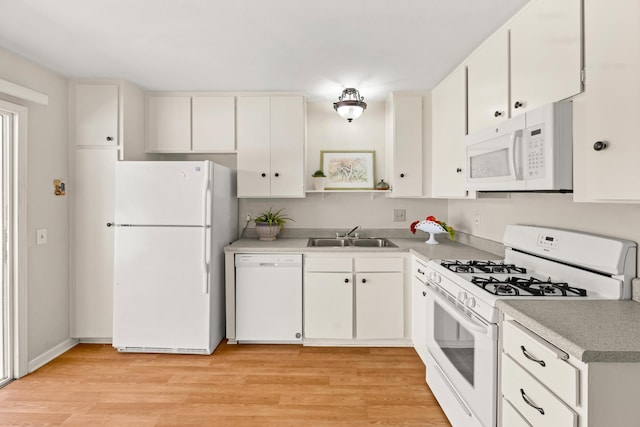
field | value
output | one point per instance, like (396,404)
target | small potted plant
(319,179)
(269,224)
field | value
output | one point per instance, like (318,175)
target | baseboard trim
(51,354)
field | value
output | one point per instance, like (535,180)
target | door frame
(17,236)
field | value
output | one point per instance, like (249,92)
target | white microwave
(530,152)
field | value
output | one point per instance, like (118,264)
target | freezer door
(163,193)
(161,295)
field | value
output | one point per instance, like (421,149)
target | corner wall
(47,265)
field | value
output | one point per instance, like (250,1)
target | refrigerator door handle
(206,257)
(206,195)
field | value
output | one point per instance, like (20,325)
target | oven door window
(456,342)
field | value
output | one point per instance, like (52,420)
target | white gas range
(539,263)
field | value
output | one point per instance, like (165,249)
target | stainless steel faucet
(352,230)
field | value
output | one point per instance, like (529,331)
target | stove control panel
(547,241)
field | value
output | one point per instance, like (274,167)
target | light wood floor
(238,385)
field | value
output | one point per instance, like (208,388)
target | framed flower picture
(348,170)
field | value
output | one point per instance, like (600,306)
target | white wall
(553,210)
(48,273)
(326,130)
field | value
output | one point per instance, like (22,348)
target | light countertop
(592,331)
(445,250)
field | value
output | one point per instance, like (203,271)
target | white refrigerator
(172,222)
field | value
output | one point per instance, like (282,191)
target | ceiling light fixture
(350,104)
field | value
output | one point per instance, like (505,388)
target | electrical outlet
(476,219)
(399,215)
(247,217)
(41,236)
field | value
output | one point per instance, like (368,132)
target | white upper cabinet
(213,124)
(488,83)
(449,127)
(96,114)
(546,54)
(403,115)
(190,124)
(606,145)
(169,124)
(270,146)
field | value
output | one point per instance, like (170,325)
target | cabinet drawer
(379,264)
(543,360)
(328,264)
(511,417)
(535,402)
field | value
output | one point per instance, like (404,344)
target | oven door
(464,352)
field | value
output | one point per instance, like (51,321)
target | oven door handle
(464,320)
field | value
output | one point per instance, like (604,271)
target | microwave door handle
(516,146)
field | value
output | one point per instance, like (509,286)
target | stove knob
(470,302)
(462,296)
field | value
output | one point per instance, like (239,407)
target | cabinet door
(328,305)
(419,311)
(449,127)
(404,145)
(488,83)
(611,109)
(214,124)
(546,54)
(379,305)
(287,146)
(93,271)
(254,152)
(96,114)
(169,124)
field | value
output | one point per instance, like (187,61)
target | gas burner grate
(482,267)
(511,286)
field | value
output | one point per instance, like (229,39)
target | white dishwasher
(269,298)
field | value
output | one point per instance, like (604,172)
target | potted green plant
(319,179)
(269,224)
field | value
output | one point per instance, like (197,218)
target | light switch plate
(399,215)
(41,236)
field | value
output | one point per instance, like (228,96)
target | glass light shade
(350,104)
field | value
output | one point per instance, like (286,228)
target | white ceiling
(313,46)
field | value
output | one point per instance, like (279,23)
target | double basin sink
(343,242)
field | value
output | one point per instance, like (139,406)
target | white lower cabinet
(542,385)
(419,308)
(336,309)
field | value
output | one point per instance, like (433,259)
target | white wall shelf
(372,193)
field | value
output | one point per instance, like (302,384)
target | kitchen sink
(364,242)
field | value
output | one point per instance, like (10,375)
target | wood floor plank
(238,385)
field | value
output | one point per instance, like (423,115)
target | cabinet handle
(497,114)
(518,104)
(421,272)
(277,174)
(530,403)
(530,357)
(401,175)
(110,224)
(458,170)
(600,145)
(364,280)
(424,294)
(109,138)
(263,174)
(346,280)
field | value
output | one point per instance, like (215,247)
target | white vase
(319,182)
